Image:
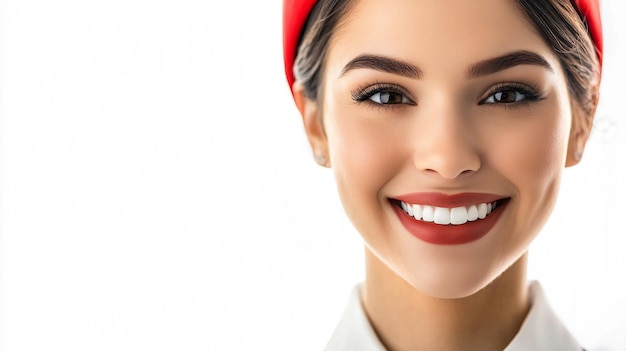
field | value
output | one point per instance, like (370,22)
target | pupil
(506,96)
(390,98)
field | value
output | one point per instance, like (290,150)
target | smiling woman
(447,136)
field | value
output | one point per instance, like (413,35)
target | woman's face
(448,106)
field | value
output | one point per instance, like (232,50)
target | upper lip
(448,200)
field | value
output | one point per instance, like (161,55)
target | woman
(447,124)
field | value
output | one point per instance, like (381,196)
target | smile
(449,216)
(444,219)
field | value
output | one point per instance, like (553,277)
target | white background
(157,191)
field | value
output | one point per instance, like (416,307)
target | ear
(582,123)
(313,124)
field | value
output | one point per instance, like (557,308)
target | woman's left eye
(505,97)
(511,95)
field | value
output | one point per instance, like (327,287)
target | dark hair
(557,21)
(561,26)
(322,22)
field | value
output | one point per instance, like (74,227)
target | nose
(446,144)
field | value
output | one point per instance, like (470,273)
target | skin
(447,137)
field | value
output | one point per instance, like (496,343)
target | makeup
(443,219)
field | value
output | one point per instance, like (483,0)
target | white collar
(541,330)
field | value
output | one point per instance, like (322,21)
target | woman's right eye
(389,98)
(383,95)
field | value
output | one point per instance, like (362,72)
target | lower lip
(449,234)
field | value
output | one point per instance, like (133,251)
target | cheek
(366,152)
(531,157)
(358,147)
(533,154)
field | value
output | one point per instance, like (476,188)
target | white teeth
(417,211)
(428,214)
(445,216)
(442,215)
(472,213)
(458,215)
(482,211)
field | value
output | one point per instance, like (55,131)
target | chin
(449,288)
(450,279)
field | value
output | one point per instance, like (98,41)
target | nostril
(447,161)
(449,173)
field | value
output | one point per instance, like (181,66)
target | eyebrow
(503,62)
(383,64)
(482,68)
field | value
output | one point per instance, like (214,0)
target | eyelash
(530,92)
(364,95)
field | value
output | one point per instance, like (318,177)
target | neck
(406,319)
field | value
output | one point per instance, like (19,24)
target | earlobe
(582,123)
(575,148)
(313,126)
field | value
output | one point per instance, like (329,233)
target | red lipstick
(449,234)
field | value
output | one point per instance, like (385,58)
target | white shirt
(541,330)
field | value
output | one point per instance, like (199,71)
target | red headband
(296,12)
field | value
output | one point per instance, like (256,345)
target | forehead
(444,34)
